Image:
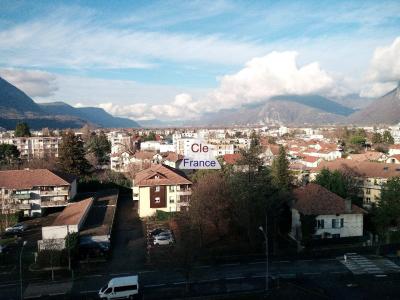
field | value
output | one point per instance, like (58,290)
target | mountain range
(16,106)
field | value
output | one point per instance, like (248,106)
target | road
(228,278)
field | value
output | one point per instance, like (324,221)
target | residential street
(225,278)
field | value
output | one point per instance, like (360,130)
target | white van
(120,287)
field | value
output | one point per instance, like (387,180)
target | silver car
(17,228)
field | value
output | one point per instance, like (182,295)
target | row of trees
(237,202)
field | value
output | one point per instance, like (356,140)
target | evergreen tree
(22,130)
(376,138)
(340,183)
(251,157)
(388,209)
(8,154)
(281,176)
(71,155)
(387,138)
(100,147)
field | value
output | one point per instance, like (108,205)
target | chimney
(347,206)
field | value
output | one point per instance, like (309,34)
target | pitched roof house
(30,191)
(335,217)
(163,188)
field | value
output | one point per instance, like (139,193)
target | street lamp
(264,232)
(20,268)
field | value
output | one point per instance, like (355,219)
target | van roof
(120,281)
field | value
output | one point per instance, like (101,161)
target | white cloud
(69,41)
(33,82)
(383,74)
(385,63)
(274,74)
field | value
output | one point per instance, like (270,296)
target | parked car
(163,240)
(164,233)
(17,228)
(121,288)
(158,231)
(4,248)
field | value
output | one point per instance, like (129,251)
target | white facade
(34,147)
(167,148)
(176,198)
(329,226)
(150,146)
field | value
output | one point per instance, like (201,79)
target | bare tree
(210,202)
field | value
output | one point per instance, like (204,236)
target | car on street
(163,240)
(17,228)
(158,231)
(121,288)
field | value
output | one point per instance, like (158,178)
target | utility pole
(265,233)
(20,269)
(69,249)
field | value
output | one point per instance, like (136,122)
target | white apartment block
(35,147)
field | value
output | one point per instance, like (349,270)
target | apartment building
(31,191)
(371,175)
(161,188)
(36,147)
(120,141)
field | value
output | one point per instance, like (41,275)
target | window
(368,191)
(336,236)
(157,188)
(335,223)
(157,199)
(368,200)
(320,224)
(171,200)
(108,291)
(125,288)
(171,188)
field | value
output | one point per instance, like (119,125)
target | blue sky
(145,59)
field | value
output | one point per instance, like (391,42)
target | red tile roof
(166,176)
(27,179)
(172,156)
(314,199)
(73,213)
(145,155)
(231,159)
(361,168)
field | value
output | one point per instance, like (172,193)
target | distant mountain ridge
(16,106)
(286,109)
(384,110)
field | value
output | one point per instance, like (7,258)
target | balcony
(25,196)
(54,193)
(55,203)
(20,206)
(185,192)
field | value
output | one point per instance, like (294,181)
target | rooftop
(27,179)
(361,168)
(160,175)
(73,213)
(314,199)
